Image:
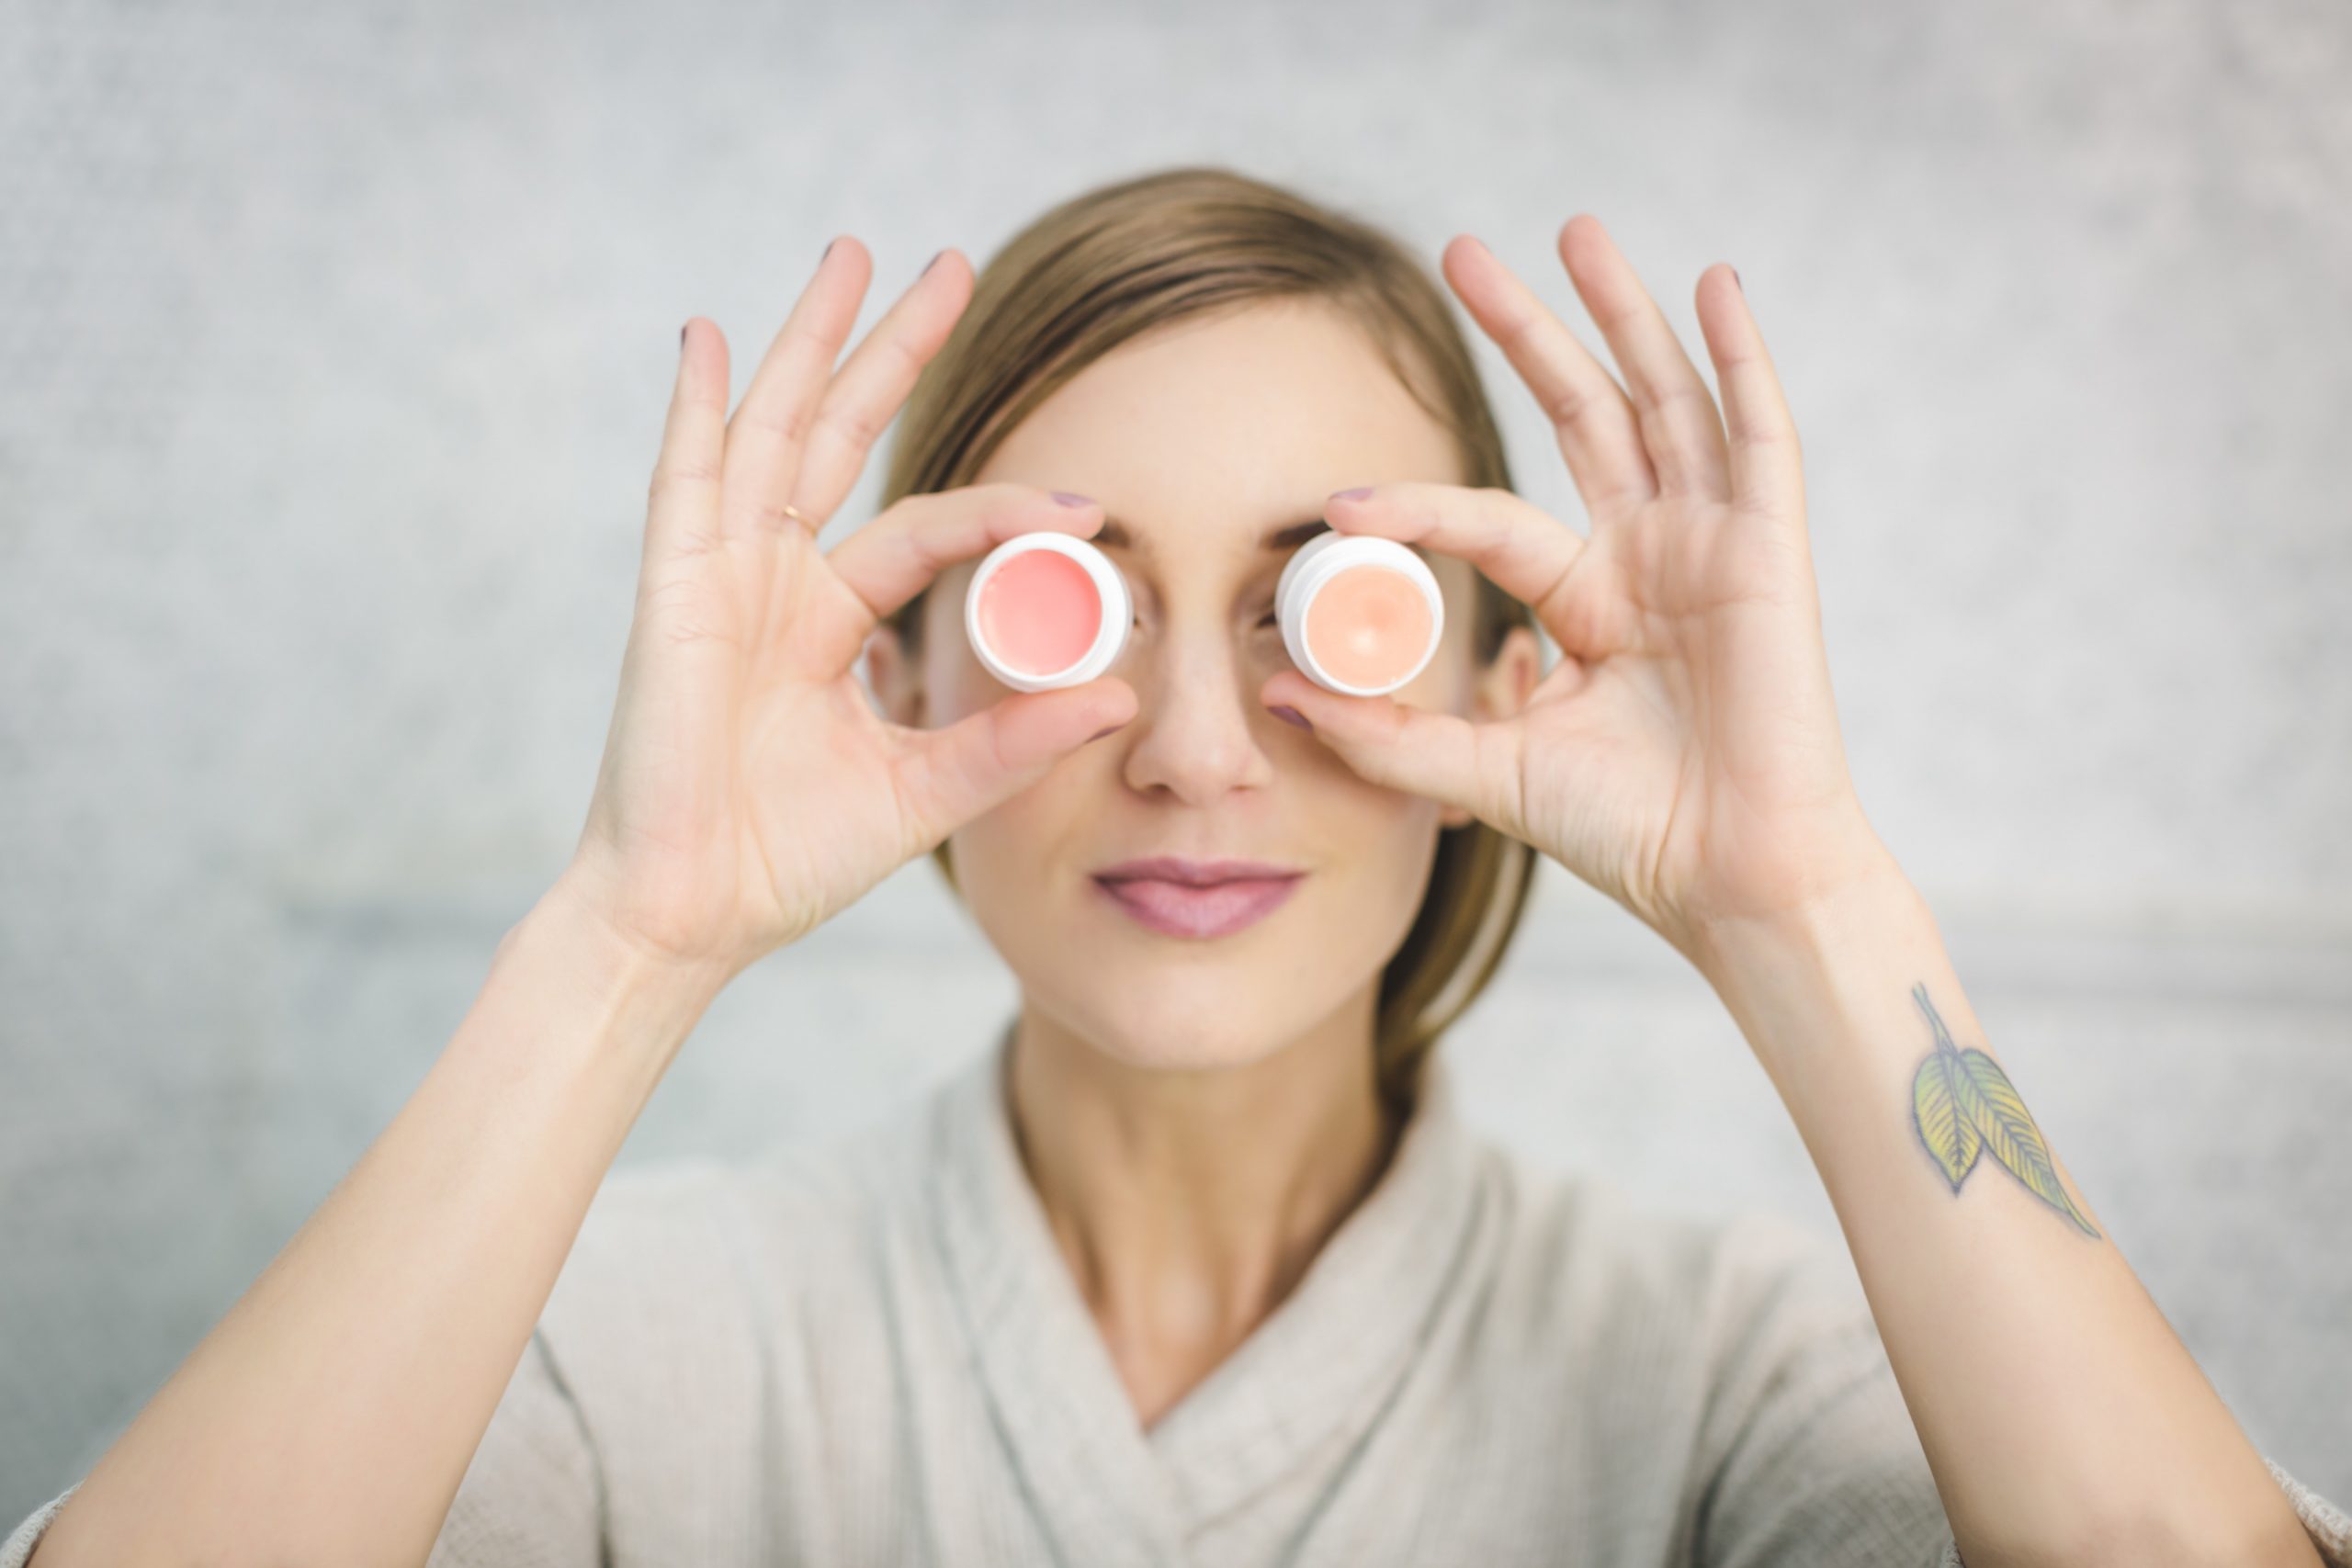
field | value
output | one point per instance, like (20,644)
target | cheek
(958,683)
(1379,843)
(955,680)
(1022,833)
(1023,859)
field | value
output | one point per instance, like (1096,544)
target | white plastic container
(1352,607)
(1047,610)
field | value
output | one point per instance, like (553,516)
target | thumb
(984,758)
(1441,755)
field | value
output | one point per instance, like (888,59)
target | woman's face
(1199,439)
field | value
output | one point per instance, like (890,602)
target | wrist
(1874,898)
(616,993)
(580,902)
(1816,988)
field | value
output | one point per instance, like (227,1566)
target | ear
(1499,690)
(893,678)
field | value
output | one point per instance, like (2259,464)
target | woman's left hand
(1683,755)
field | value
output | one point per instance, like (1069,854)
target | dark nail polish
(1734,277)
(1069,497)
(828,249)
(933,261)
(682,337)
(1289,715)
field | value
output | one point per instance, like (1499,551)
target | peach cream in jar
(1360,615)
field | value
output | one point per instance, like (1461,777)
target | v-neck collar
(1316,1372)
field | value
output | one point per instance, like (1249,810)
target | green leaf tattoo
(1963,1104)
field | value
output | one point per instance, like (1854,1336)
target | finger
(764,438)
(1767,465)
(866,393)
(956,774)
(681,502)
(1519,547)
(1594,424)
(896,556)
(1441,755)
(1679,424)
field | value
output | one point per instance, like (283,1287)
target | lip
(1194,872)
(1197,898)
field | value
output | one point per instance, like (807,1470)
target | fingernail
(1356,494)
(1734,277)
(1289,715)
(933,261)
(828,249)
(682,337)
(1070,497)
(1113,730)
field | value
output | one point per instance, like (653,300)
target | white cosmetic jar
(1027,607)
(1365,641)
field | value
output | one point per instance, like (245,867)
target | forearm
(331,1414)
(2055,1404)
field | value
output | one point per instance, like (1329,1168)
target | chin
(1187,1024)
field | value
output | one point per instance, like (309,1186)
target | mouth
(1197,898)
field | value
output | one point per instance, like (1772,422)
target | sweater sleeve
(1823,1466)
(1819,1462)
(21,1541)
(532,1498)
(2327,1525)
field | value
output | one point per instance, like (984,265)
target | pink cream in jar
(1047,610)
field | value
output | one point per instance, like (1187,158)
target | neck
(1188,1202)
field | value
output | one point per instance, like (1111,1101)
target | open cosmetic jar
(1047,610)
(1360,615)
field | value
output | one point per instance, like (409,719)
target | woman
(1196,1263)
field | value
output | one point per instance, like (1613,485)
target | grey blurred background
(334,342)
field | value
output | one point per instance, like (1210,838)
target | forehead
(1226,424)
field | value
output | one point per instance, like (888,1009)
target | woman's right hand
(749,789)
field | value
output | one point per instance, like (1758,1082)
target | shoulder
(700,1259)
(1697,1351)
(705,1300)
(1744,1333)
(1584,1253)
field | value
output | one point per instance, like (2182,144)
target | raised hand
(1683,756)
(749,789)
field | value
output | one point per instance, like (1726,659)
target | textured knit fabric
(872,1352)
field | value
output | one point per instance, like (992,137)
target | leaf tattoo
(1962,1105)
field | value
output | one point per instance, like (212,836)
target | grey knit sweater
(872,1352)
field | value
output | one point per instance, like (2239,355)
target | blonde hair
(1115,262)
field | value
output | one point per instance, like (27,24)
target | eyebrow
(1114,534)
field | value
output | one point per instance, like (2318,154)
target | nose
(1197,723)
